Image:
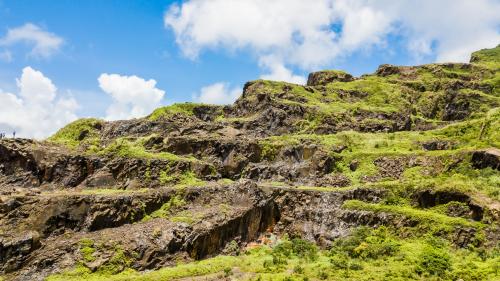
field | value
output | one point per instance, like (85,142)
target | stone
(322,78)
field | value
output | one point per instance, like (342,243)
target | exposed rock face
(437,145)
(319,216)
(486,158)
(403,148)
(429,198)
(325,77)
(207,220)
(387,70)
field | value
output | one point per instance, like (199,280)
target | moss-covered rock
(333,179)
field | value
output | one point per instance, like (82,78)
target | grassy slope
(382,254)
(366,255)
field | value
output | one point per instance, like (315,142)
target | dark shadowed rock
(486,158)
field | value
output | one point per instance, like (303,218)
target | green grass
(378,254)
(176,108)
(214,265)
(343,101)
(87,250)
(134,148)
(185,179)
(466,134)
(421,252)
(426,216)
(78,132)
(165,210)
(186,216)
(463,137)
(488,57)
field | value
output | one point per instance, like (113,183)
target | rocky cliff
(411,150)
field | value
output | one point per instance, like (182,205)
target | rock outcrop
(412,148)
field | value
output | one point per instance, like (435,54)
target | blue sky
(98,58)
(125,37)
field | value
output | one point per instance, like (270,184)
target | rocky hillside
(388,176)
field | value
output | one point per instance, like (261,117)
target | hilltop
(393,175)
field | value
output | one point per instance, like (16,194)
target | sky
(119,59)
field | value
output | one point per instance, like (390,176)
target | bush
(232,248)
(434,262)
(284,249)
(298,269)
(228,271)
(348,244)
(279,259)
(340,261)
(365,243)
(323,275)
(268,264)
(469,272)
(304,249)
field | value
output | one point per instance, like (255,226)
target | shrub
(304,249)
(279,260)
(348,244)
(367,244)
(283,249)
(323,275)
(267,264)
(298,269)
(228,271)
(469,272)
(340,261)
(232,248)
(434,262)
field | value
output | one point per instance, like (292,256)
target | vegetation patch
(82,131)
(367,254)
(134,148)
(426,216)
(166,209)
(185,179)
(176,108)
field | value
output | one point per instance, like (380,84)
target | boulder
(322,78)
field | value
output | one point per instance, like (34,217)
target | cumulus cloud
(311,35)
(451,29)
(218,93)
(36,110)
(132,96)
(279,72)
(44,43)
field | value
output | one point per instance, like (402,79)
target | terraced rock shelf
(388,176)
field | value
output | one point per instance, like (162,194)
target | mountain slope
(392,175)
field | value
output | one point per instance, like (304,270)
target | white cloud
(310,35)
(36,111)
(45,43)
(217,93)
(278,72)
(455,27)
(132,96)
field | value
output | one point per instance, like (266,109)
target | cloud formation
(218,93)
(36,110)
(132,96)
(44,44)
(284,33)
